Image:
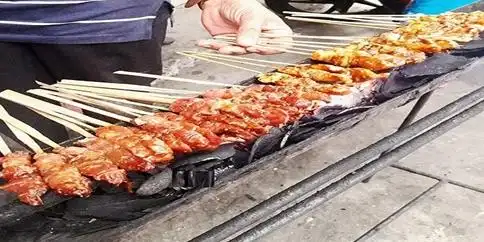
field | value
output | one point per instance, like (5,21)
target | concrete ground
(448,213)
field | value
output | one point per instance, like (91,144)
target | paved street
(448,213)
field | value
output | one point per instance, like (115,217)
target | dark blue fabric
(78,33)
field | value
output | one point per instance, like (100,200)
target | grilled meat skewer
(23,178)
(62,177)
(94,164)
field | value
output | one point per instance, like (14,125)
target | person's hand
(247,19)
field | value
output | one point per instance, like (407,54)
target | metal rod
(415,110)
(410,117)
(400,211)
(295,192)
(352,179)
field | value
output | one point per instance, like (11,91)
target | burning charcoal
(30,223)
(222,153)
(15,211)
(7,198)
(156,183)
(116,207)
(474,48)
(411,76)
(267,144)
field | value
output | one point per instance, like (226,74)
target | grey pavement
(449,213)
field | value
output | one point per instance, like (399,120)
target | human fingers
(222,47)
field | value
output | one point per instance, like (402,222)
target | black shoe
(168,41)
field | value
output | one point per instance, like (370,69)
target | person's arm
(246,18)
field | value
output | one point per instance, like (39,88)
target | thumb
(250,29)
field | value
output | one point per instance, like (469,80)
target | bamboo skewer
(87,100)
(27,129)
(302,45)
(47,107)
(362,15)
(228,58)
(23,137)
(118,93)
(107,91)
(232,60)
(298,36)
(239,58)
(287,50)
(66,118)
(66,124)
(49,95)
(361,25)
(315,44)
(356,19)
(178,79)
(97,97)
(218,62)
(370,18)
(4,149)
(129,87)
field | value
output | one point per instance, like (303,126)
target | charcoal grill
(192,175)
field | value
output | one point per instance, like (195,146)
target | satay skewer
(359,19)
(66,172)
(375,16)
(208,59)
(299,36)
(68,119)
(239,58)
(344,23)
(128,87)
(291,50)
(131,95)
(109,105)
(27,129)
(229,60)
(218,62)
(177,79)
(290,43)
(47,94)
(4,149)
(25,138)
(66,124)
(47,107)
(99,97)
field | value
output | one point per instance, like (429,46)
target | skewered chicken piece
(315,74)
(419,44)
(355,58)
(410,56)
(293,101)
(23,178)
(303,84)
(140,143)
(455,24)
(62,177)
(94,164)
(120,156)
(181,135)
(332,74)
(199,111)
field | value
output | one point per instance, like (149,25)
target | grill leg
(410,118)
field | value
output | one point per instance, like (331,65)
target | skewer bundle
(202,121)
